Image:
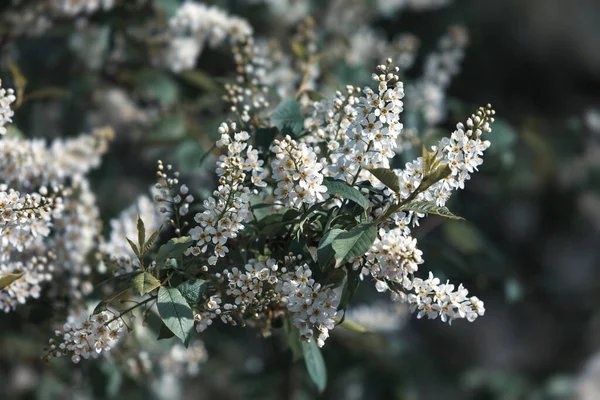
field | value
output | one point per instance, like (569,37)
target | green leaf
(429,160)
(353,326)
(354,243)
(325,251)
(174,248)
(292,336)
(352,281)
(176,313)
(339,187)
(315,365)
(168,7)
(429,207)
(172,127)
(151,240)
(7,279)
(387,177)
(192,290)
(141,232)
(288,118)
(440,173)
(133,247)
(464,236)
(155,85)
(144,283)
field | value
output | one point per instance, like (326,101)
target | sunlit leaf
(354,243)
(144,283)
(387,177)
(7,279)
(338,187)
(288,118)
(429,207)
(325,251)
(315,365)
(176,313)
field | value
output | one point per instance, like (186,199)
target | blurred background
(529,246)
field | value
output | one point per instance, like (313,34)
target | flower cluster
(360,132)
(432,299)
(251,290)
(87,336)
(7,97)
(25,221)
(226,212)
(297,172)
(461,152)
(194,25)
(247,286)
(313,306)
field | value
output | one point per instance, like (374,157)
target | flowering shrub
(314,194)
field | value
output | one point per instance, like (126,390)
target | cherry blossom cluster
(313,306)
(226,212)
(360,132)
(394,258)
(7,97)
(51,224)
(297,172)
(32,163)
(246,286)
(462,152)
(25,221)
(86,336)
(35,18)
(176,199)
(432,299)
(250,290)
(195,25)
(76,7)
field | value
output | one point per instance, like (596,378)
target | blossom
(87,336)
(7,97)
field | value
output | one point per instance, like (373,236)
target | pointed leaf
(353,326)
(387,177)
(428,160)
(151,240)
(144,283)
(176,313)
(133,247)
(354,243)
(339,187)
(7,279)
(141,232)
(288,118)
(442,172)
(429,207)
(315,365)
